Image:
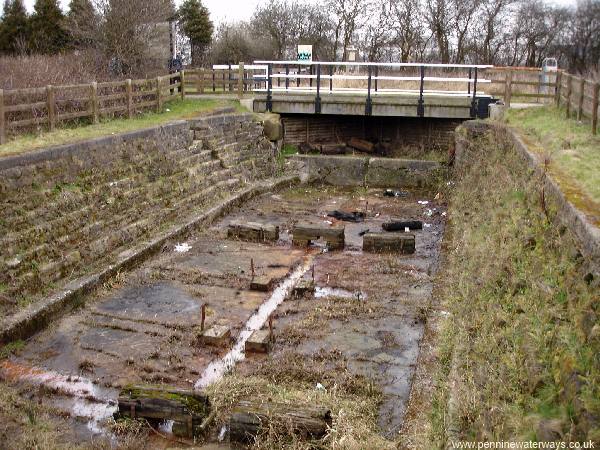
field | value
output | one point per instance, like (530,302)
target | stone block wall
(71,209)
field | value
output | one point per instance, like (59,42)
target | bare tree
(582,46)
(351,16)
(439,19)
(378,32)
(464,13)
(407,17)
(126,28)
(495,14)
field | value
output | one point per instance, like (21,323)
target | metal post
(421,104)
(297,76)
(369,105)
(269,87)
(310,72)
(241,73)
(214,83)
(287,79)
(376,77)
(474,101)
(318,98)
(330,78)
(469,82)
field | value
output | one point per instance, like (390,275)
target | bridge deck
(394,104)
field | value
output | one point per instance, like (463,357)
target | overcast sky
(234,10)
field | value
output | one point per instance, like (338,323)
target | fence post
(200,80)
(158,96)
(569,90)
(508,88)
(596,91)
(558,88)
(241,80)
(182,87)
(94,101)
(51,104)
(129,97)
(581,95)
(2,119)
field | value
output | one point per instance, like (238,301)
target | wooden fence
(26,109)
(579,97)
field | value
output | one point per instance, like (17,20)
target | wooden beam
(94,101)
(182,84)
(581,97)
(595,94)
(51,102)
(200,81)
(158,95)
(250,417)
(569,91)
(508,88)
(558,88)
(129,98)
(2,119)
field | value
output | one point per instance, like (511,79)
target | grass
(572,149)
(518,352)
(11,349)
(173,110)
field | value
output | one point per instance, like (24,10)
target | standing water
(217,369)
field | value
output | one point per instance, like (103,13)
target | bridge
(451,91)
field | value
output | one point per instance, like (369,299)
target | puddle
(84,400)
(217,369)
(322,292)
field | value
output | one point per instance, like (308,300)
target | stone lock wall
(70,209)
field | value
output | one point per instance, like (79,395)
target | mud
(145,326)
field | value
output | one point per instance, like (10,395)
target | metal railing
(369,80)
